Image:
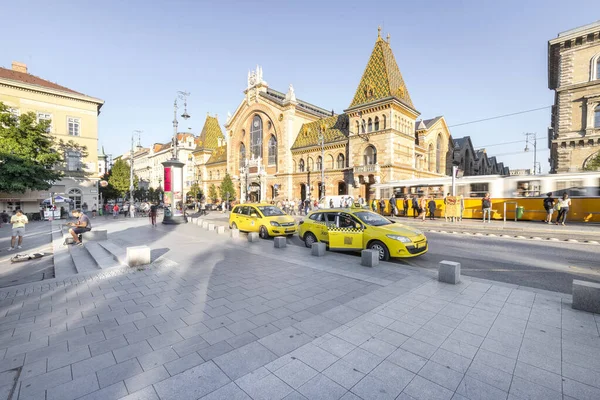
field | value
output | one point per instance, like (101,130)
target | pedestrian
(18,222)
(82,225)
(423,208)
(116,211)
(405,206)
(415,206)
(549,207)
(393,208)
(486,206)
(292,207)
(446,206)
(94,210)
(431,205)
(330,203)
(563,209)
(306,206)
(153,211)
(361,201)
(381,206)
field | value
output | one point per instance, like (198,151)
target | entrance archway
(254,195)
(342,188)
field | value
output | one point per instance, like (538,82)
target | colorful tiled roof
(33,80)
(210,135)
(382,78)
(336,129)
(219,155)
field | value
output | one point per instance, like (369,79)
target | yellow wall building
(74,117)
(574,75)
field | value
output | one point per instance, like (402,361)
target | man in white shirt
(18,222)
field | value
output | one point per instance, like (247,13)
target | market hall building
(278,145)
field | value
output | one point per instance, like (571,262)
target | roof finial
(379,32)
(388,38)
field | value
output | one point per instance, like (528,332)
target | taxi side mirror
(254,215)
(357,226)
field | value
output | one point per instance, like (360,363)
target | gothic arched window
(597,116)
(256,131)
(331,162)
(430,157)
(363,126)
(272,151)
(384,122)
(341,161)
(438,154)
(370,125)
(242,155)
(319,163)
(310,164)
(376,123)
(301,165)
(370,156)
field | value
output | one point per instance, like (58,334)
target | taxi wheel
(381,248)
(233,225)
(309,239)
(263,232)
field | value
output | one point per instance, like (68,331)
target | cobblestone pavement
(220,319)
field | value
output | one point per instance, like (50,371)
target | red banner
(167,179)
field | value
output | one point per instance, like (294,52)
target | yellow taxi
(266,219)
(357,228)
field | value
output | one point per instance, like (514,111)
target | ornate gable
(382,78)
(210,135)
(336,129)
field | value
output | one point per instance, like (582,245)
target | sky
(466,60)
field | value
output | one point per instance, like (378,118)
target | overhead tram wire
(499,116)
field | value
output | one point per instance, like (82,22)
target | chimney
(19,67)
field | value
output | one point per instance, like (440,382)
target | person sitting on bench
(82,225)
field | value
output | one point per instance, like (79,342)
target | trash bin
(520,212)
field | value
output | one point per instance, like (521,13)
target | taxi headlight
(399,238)
(273,223)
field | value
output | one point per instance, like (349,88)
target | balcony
(364,169)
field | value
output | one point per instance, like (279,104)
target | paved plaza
(216,318)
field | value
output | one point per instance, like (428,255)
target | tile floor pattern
(238,326)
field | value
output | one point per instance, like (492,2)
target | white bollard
(279,242)
(449,272)
(253,237)
(138,255)
(235,234)
(318,249)
(220,230)
(211,227)
(369,258)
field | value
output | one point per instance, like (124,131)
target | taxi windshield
(270,211)
(370,218)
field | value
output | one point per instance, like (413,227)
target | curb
(520,237)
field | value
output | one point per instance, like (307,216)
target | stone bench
(586,296)
(318,249)
(138,255)
(279,242)
(369,258)
(253,237)
(95,235)
(449,272)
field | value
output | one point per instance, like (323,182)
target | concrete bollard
(253,237)
(199,221)
(369,258)
(235,234)
(318,249)
(586,296)
(204,224)
(279,242)
(138,255)
(194,220)
(449,272)
(220,230)
(211,227)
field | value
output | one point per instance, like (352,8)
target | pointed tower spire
(379,32)
(382,78)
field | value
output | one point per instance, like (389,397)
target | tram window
(572,188)
(479,189)
(385,193)
(528,189)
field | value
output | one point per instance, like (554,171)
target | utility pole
(322,140)
(527,141)
(131,201)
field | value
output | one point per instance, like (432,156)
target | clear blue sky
(466,60)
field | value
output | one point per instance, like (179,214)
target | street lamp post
(534,142)
(322,140)
(131,200)
(173,170)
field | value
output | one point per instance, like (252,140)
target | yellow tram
(506,191)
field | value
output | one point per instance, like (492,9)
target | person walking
(423,208)
(431,205)
(331,203)
(292,207)
(486,206)
(393,208)
(94,210)
(415,206)
(18,222)
(549,207)
(405,206)
(563,209)
(381,206)
(446,206)
(116,211)
(361,201)
(153,211)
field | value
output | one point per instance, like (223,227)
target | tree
(108,192)
(593,164)
(119,177)
(28,154)
(227,189)
(195,193)
(212,193)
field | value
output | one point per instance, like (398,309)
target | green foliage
(28,154)
(140,194)
(195,193)
(119,177)
(227,189)
(108,192)
(212,193)
(593,164)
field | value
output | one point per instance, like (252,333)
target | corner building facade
(280,147)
